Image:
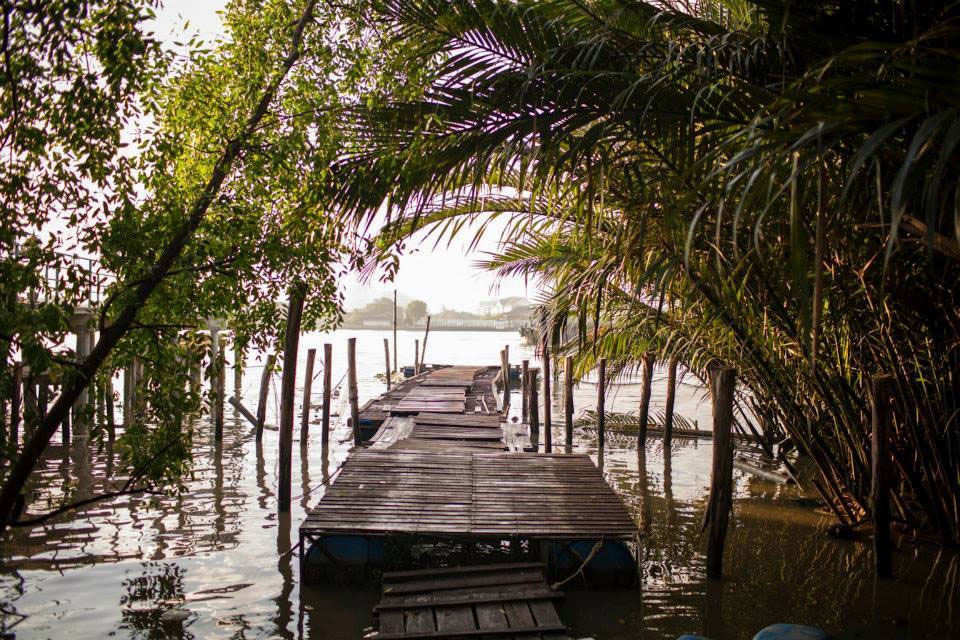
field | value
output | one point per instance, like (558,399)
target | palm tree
(768,184)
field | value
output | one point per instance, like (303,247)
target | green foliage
(416,310)
(767,184)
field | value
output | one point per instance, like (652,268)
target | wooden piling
(288,388)
(881,387)
(395,366)
(307,388)
(416,357)
(524,391)
(601,403)
(547,400)
(264,392)
(423,352)
(386,360)
(568,402)
(327,381)
(717,516)
(216,383)
(644,416)
(671,399)
(239,359)
(534,409)
(505,369)
(108,406)
(352,389)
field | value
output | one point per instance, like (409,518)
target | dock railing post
(547,400)
(881,386)
(534,409)
(307,389)
(601,402)
(386,359)
(352,389)
(568,402)
(717,516)
(671,400)
(327,381)
(644,413)
(288,387)
(524,393)
(264,391)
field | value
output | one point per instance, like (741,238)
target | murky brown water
(218,551)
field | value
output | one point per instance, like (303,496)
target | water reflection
(218,552)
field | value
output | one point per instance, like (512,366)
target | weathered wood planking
(494,496)
(491,601)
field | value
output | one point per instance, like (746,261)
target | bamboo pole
(423,353)
(264,391)
(881,386)
(307,388)
(386,358)
(327,381)
(547,401)
(534,409)
(644,417)
(524,391)
(671,400)
(288,390)
(601,402)
(352,386)
(717,516)
(568,402)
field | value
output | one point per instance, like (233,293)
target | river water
(213,561)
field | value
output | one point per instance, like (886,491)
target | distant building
(503,306)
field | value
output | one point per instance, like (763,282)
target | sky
(443,277)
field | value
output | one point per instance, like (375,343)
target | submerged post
(547,403)
(216,404)
(352,389)
(307,388)
(327,381)
(568,402)
(264,390)
(288,389)
(524,391)
(386,358)
(534,409)
(717,516)
(880,476)
(671,399)
(601,402)
(644,415)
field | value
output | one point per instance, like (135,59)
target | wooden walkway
(471,495)
(491,601)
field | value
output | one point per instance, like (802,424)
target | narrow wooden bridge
(443,464)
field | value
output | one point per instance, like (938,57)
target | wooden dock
(445,465)
(491,601)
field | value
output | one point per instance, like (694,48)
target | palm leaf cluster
(766,184)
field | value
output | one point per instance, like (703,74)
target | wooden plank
(474,632)
(490,616)
(418,621)
(391,622)
(455,618)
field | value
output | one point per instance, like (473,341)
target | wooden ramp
(481,496)
(491,601)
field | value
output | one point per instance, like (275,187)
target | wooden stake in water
(534,410)
(239,357)
(717,516)
(327,381)
(264,391)
(671,399)
(547,401)
(568,402)
(15,408)
(423,354)
(416,357)
(288,389)
(386,359)
(881,387)
(505,373)
(216,400)
(307,388)
(395,367)
(352,390)
(644,416)
(601,402)
(524,391)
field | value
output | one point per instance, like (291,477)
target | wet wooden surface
(492,601)
(475,495)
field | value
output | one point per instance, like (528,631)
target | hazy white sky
(443,276)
